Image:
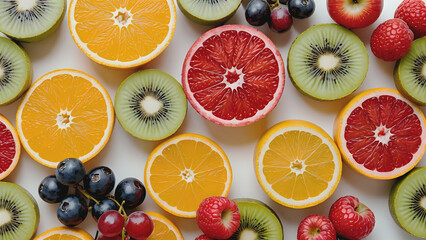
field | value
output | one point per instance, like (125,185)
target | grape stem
(273,4)
(86,194)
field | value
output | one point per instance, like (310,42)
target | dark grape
(285,2)
(51,190)
(131,191)
(70,171)
(99,181)
(103,206)
(257,12)
(301,8)
(72,210)
(280,20)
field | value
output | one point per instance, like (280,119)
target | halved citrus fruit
(297,164)
(64,233)
(10,147)
(233,75)
(164,229)
(184,170)
(381,134)
(122,33)
(66,113)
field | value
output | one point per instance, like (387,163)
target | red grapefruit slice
(233,75)
(10,147)
(381,134)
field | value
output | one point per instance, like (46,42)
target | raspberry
(391,40)
(203,237)
(413,12)
(218,217)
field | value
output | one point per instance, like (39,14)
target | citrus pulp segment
(184,170)
(380,134)
(122,33)
(10,147)
(233,75)
(297,164)
(164,229)
(65,114)
(64,233)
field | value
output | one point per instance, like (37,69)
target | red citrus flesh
(233,75)
(9,147)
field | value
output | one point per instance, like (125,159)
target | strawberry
(316,227)
(413,12)
(391,40)
(351,219)
(218,217)
(355,14)
(203,237)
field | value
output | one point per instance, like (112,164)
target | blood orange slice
(381,134)
(233,75)
(10,147)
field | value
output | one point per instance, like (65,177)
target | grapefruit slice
(10,147)
(233,75)
(380,133)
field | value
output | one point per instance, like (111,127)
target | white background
(127,155)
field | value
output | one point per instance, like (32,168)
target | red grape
(139,225)
(111,223)
(280,20)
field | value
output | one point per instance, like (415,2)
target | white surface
(127,155)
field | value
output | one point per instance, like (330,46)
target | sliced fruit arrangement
(164,229)
(68,111)
(381,134)
(355,13)
(316,227)
(410,72)
(407,202)
(207,12)
(327,62)
(233,75)
(184,170)
(10,147)
(64,233)
(122,34)
(19,212)
(15,71)
(150,104)
(30,20)
(297,164)
(413,12)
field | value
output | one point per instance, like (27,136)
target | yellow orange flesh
(184,170)
(64,233)
(66,113)
(164,229)
(297,164)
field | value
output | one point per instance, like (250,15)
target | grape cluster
(279,18)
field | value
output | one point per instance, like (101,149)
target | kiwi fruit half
(258,221)
(410,72)
(19,213)
(407,202)
(30,20)
(15,71)
(327,62)
(209,12)
(150,104)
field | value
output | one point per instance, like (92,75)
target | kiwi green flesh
(15,71)
(258,221)
(31,20)
(407,202)
(19,213)
(410,72)
(209,12)
(150,104)
(327,62)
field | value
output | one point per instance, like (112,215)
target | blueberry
(72,210)
(132,191)
(103,206)
(257,12)
(99,181)
(70,171)
(301,8)
(51,190)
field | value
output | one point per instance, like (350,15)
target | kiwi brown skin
(398,84)
(216,22)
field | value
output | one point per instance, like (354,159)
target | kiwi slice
(15,71)
(407,202)
(150,104)
(19,213)
(30,20)
(410,72)
(209,12)
(327,62)
(258,221)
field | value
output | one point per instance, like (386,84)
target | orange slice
(122,33)
(164,229)
(66,113)
(64,233)
(184,170)
(297,164)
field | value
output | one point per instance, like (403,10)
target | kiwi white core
(64,119)
(423,202)
(2,74)
(5,217)
(24,5)
(424,71)
(248,234)
(122,17)
(328,61)
(383,134)
(151,105)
